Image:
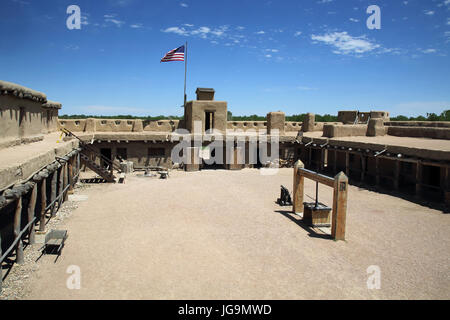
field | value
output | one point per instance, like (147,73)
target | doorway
(106,153)
(209,120)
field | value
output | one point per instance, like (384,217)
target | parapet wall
(25,115)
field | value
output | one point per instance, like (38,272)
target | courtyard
(218,234)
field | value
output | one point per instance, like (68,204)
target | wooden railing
(65,168)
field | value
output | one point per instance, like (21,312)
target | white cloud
(176,30)
(268,56)
(353,20)
(429,50)
(429,12)
(260,32)
(324,1)
(184,5)
(137,26)
(202,32)
(297,33)
(116,22)
(345,43)
(304,88)
(445,3)
(272,50)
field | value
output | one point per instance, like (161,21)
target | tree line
(444,116)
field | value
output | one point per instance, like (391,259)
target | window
(156,152)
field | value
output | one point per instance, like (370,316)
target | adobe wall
(430,124)
(342,130)
(419,132)
(247,125)
(23,115)
(195,111)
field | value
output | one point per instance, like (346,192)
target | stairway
(104,173)
(86,154)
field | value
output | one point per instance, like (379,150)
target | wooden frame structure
(340,186)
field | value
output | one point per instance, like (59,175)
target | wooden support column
(335,161)
(65,181)
(31,212)
(339,206)
(347,163)
(54,186)
(60,189)
(377,170)
(419,178)
(17,222)
(310,158)
(322,159)
(70,176)
(298,188)
(363,168)
(397,174)
(43,204)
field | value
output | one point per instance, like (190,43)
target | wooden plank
(65,181)
(17,222)
(31,211)
(338,221)
(60,189)
(70,175)
(316,177)
(377,170)
(298,188)
(43,204)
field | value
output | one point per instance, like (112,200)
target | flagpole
(185,72)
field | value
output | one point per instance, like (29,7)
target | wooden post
(377,170)
(418,179)
(61,188)
(298,188)
(310,158)
(322,159)
(54,186)
(339,206)
(31,209)
(17,222)
(335,161)
(43,204)
(65,181)
(363,168)
(397,174)
(347,163)
(70,176)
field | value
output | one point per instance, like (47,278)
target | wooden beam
(17,223)
(60,189)
(298,188)
(316,177)
(339,206)
(31,212)
(54,186)
(65,181)
(43,204)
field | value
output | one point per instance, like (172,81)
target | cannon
(285,197)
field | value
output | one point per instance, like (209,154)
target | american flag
(174,55)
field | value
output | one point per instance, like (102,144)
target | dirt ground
(219,234)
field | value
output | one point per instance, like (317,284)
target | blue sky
(260,56)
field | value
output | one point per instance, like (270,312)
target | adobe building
(407,157)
